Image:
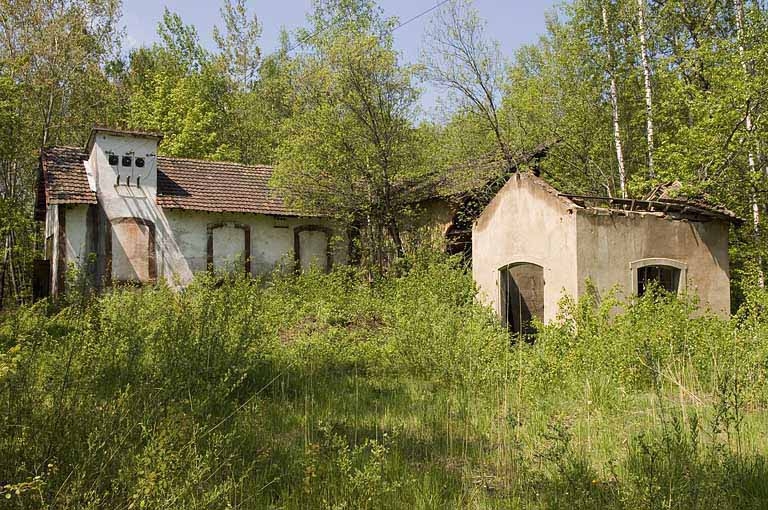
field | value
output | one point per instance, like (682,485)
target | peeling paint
(136,240)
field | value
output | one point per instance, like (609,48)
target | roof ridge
(49,147)
(214,161)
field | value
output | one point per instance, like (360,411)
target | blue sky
(511,22)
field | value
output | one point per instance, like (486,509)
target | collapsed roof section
(676,209)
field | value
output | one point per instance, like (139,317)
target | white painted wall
(181,237)
(136,200)
(76,233)
(272,242)
(52,244)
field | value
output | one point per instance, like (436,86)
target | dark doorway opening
(522,297)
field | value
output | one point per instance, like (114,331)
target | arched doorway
(131,251)
(312,247)
(521,287)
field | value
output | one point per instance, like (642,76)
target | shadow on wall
(133,252)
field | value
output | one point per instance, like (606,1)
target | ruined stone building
(120,213)
(531,245)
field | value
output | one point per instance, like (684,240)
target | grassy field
(323,391)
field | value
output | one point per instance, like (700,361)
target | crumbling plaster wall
(180,237)
(272,242)
(52,245)
(609,242)
(77,233)
(526,223)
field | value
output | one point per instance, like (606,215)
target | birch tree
(647,83)
(238,42)
(614,98)
(748,125)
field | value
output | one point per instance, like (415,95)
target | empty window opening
(666,277)
(522,297)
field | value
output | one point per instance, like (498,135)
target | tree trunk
(751,157)
(4,270)
(614,105)
(394,233)
(648,89)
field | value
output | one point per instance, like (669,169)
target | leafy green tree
(257,99)
(686,83)
(239,42)
(178,89)
(459,57)
(52,90)
(350,137)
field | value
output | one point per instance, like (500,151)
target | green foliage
(328,391)
(349,140)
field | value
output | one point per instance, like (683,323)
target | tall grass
(324,391)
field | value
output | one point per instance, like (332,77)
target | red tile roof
(217,186)
(190,184)
(64,176)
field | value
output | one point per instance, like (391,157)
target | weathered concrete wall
(272,242)
(143,241)
(427,225)
(526,223)
(609,243)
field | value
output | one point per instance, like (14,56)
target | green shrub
(331,391)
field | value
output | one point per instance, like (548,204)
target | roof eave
(95,130)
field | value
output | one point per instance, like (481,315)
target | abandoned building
(121,213)
(532,245)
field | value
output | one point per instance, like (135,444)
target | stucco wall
(272,242)
(77,234)
(526,223)
(609,243)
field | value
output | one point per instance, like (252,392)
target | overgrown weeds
(326,391)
